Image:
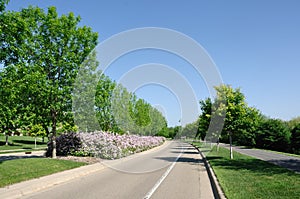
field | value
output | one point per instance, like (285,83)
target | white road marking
(163,177)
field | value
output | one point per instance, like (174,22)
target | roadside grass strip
(13,171)
(248,177)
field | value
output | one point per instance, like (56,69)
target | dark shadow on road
(183,148)
(186,152)
(9,144)
(292,164)
(28,142)
(181,159)
(14,157)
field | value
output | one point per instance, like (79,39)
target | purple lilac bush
(112,146)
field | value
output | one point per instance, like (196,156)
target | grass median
(13,171)
(247,177)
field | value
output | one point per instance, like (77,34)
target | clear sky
(254,44)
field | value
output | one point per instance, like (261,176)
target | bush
(66,144)
(273,134)
(295,140)
(102,144)
(112,146)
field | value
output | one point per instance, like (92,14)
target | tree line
(245,125)
(41,54)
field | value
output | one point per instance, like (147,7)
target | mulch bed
(88,160)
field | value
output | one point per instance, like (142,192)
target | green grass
(247,177)
(13,171)
(21,142)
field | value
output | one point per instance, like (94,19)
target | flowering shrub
(112,146)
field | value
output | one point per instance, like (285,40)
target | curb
(217,190)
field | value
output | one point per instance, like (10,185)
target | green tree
(36,131)
(295,139)
(140,113)
(273,134)
(204,118)
(3,4)
(57,46)
(120,107)
(133,115)
(293,122)
(249,126)
(10,107)
(239,118)
(164,132)
(103,103)
(158,122)
(190,130)
(86,94)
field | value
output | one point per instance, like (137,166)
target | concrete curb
(218,192)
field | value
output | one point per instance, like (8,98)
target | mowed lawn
(247,177)
(13,171)
(21,142)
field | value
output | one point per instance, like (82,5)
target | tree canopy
(45,50)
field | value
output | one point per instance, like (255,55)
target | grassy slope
(21,142)
(247,177)
(13,171)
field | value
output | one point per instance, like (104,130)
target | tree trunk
(35,142)
(218,145)
(6,139)
(230,140)
(53,134)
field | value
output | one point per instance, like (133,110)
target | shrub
(102,144)
(66,144)
(112,146)
(295,139)
(273,134)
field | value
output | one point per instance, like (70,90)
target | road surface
(174,170)
(289,162)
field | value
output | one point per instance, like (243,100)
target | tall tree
(190,130)
(120,108)
(204,118)
(158,122)
(10,107)
(54,43)
(239,116)
(140,113)
(3,4)
(103,103)
(84,98)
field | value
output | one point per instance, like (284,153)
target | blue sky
(255,45)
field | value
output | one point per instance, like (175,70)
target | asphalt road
(289,162)
(173,171)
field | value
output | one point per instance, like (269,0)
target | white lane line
(163,177)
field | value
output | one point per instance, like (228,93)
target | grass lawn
(247,177)
(21,142)
(13,171)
